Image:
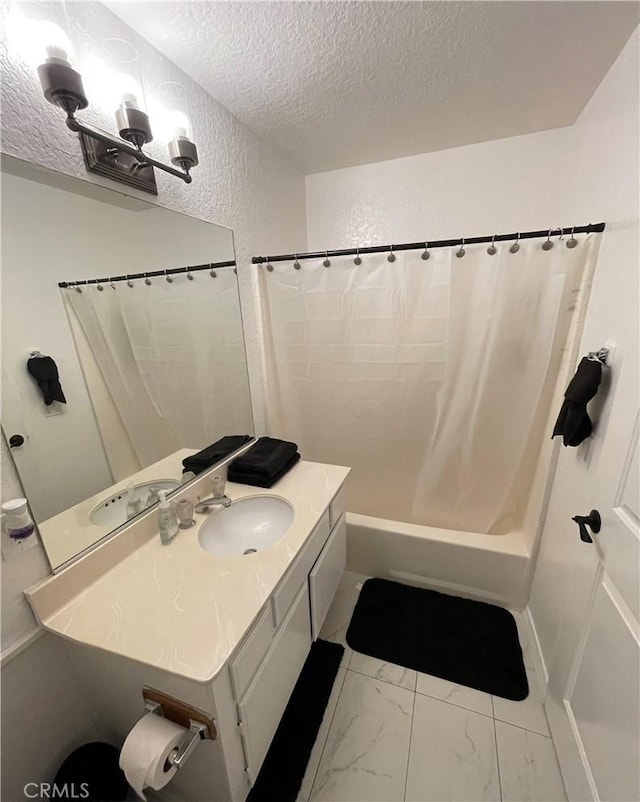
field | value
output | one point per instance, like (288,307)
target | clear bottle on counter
(167,519)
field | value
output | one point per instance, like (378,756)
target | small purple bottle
(18,523)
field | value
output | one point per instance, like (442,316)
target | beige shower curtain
(427,377)
(172,358)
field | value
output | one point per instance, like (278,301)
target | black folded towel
(258,479)
(573,421)
(264,463)
(45,371)
(214,453)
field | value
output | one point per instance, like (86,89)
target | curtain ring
(572,241)
(100,288)
(147,280)
(168,278)
(189,275)
(129,282)
(111,284)
(269,266)
(78,288)
(357,261)
(425,253)
(296,264)
(492,250)
(392,256)
(326,262)
(547,245)
(516,245)
(461,251)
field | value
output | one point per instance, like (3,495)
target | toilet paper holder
(201,726)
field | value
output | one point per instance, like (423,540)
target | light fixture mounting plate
(109,161)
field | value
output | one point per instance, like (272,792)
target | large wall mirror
(150,370)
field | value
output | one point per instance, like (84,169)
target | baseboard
(19,646)
(536,652)
(449,587)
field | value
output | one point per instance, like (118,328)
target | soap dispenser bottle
(167,519)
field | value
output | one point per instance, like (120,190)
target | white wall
(241,182)
(603,177)
(474,190)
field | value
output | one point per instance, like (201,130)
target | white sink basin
(113,510)
(245,527)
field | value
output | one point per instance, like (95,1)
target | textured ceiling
(334,84)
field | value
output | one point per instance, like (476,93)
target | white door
(593,695)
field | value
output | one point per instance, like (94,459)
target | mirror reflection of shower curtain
(431,379)
(172,358)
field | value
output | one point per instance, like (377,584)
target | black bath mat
(284,766)
(467,642)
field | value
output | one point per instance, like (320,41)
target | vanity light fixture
(119,158)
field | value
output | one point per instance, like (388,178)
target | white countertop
(181,609)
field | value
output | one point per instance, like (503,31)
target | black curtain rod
(170,272)
(442,243)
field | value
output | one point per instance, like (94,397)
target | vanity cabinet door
(265,700)
(326,574)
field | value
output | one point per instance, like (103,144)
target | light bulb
(108,88)
(168,124)
(36,41)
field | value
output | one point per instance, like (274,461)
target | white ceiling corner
(335,84)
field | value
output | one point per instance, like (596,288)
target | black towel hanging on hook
(45,371)
(574,423)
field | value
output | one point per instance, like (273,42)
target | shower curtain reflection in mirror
(164,365)
(432,379)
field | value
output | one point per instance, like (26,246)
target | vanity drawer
(326,574)
(286,592)
(264,702)
(338,506)
(256,644)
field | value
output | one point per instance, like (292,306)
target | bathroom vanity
(225,634)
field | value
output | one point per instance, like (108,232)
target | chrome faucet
(219,499)
(206,503)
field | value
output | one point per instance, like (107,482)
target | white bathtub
(493,568)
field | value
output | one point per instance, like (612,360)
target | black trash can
(92,773)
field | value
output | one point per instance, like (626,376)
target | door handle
(593,521)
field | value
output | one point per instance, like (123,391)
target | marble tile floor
(393,734)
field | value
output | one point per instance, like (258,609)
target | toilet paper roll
(146,752)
